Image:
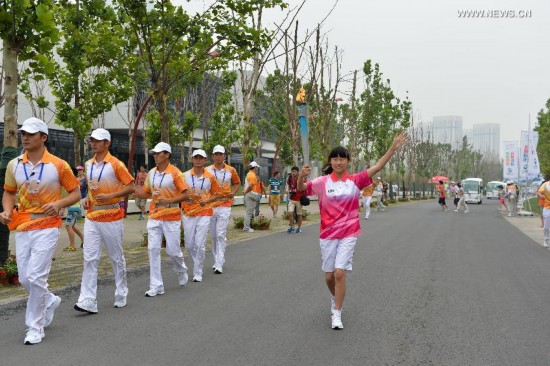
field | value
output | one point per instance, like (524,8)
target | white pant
(109,233)
(337,253)
(218,231)
(195,229)
(34,252)
(546,216)
(366,205)
(172,232)
(462,202)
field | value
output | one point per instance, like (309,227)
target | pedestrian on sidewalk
(294,203)
(197,210)
(367,196)
(229,183)
(165,184)
(380,195)
(544,192)
(72,214)
(108,183)
(461,199)
(34,181)
(502,199)
(513,192)
(139,183)
(339,209)
(252,194)
(275,183)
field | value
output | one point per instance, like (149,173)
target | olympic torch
(304,130)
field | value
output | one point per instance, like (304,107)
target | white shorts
(337,253)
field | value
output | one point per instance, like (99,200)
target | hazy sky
(487,70)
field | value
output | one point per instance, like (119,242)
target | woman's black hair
(337,152)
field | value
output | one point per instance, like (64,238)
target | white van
(492,189)
(473,190)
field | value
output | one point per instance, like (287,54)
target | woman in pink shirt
(339,207)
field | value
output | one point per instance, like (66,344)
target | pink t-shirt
(339,203)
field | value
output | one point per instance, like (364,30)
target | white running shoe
(197,278)
(545,245)
(120,303)
(154,292)
(183,277)
(466,211)
(87,306)
(337,320)
(456,210)
(34,336)
(50,310)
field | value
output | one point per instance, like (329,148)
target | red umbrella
(437,178)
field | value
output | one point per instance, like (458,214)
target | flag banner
(510,163)
(529,167)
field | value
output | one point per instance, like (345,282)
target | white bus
(492,189)
(473,190)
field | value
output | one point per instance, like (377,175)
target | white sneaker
(154,292)
(197,278)
(50,310)
(456,210)
(34,336)
(120,303)
(337,320)
(248,230)
(87,306)
(183,277)
(466,211)
(545,245)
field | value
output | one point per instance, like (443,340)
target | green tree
(383,112)
(175,46)
(95,69)
(28,32)
(543,146)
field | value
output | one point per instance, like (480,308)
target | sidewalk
(66,269)
(529,225)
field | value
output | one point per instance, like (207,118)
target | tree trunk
(9,151)
(160,99)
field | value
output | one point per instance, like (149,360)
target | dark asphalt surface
(428,288)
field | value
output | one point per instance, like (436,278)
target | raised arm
(398,141)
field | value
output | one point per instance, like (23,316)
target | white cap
(160,147)
(200,152)
(34,125)
(509,182)
(254,165)
(378,178)
(101,134)
(218,149)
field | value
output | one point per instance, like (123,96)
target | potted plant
(238,222)
(11,270)
(4,280)
(262,222)
(305,214)
(285,215)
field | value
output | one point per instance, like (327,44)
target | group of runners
(33,201)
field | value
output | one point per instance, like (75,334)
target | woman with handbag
(339,207)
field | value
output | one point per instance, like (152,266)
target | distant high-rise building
(486,138)
(447,130)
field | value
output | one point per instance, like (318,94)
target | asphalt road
(428,288)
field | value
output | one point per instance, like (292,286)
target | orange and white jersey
(167,184)
(367,191)
(253,180)
(106,177)
(37,185)
(545,190)
(224,177)
(200,187)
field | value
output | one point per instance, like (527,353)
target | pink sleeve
(315,186)
(362,179)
